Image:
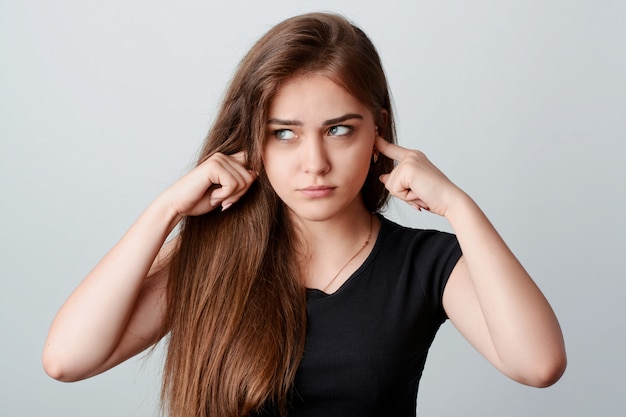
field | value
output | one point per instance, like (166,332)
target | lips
(317,191)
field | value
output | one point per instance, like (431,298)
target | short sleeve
(423,260)
(434,256)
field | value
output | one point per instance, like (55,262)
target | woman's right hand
(221,180)
(119,308)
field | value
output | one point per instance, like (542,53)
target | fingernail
(226,205)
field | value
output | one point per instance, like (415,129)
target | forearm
(92,321)
(523,328)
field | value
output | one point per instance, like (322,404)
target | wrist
(460,203)
(162,210)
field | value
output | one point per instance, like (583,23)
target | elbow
(551,374)
(54,371)
(53,367)
(57,367)
(547,373)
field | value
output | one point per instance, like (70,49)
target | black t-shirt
(366,343)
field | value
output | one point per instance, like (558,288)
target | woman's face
(318,147)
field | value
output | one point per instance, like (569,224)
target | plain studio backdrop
(103,104)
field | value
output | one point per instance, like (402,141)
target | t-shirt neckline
(315,293)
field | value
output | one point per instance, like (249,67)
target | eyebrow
(328,122)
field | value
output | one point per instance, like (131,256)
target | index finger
(239,157)
(389,149)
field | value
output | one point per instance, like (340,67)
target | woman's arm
(497,307)
(115,312)
(118,309)
(489,297)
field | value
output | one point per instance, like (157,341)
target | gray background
(523,104)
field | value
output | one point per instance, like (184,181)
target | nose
(314,156)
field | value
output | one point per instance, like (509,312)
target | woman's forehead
(313,96)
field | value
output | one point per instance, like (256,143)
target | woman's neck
(336,247)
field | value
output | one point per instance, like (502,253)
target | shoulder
(429,241)
(425,256)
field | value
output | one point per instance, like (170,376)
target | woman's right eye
(284,134)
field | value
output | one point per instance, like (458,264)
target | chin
(314,213)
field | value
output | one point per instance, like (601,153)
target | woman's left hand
(416,180)
(489,296)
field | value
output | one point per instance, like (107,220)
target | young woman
(285,291)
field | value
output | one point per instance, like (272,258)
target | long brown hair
(236,307)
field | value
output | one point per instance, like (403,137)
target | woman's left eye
(340,130)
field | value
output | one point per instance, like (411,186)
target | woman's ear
(381,122)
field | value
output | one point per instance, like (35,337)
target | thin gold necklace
(369,236)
